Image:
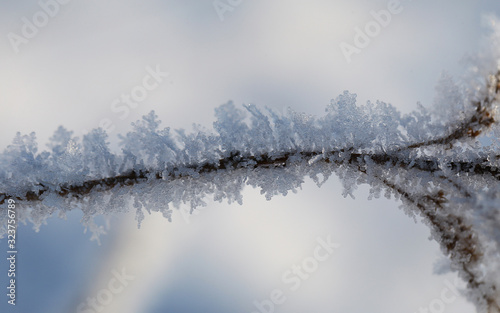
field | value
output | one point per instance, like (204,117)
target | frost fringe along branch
(450,180)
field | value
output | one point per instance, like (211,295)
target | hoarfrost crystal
(442,164)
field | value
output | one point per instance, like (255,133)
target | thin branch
(236,161)
(457,238)
(481,118)
(472,127)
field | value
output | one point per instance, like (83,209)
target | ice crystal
(434,161)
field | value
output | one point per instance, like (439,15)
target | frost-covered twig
(477,166)
(435,164)
(471,127)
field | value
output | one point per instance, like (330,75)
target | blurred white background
(279,54)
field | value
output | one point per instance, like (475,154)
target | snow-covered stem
(471,127)
(235,160)
(434,162)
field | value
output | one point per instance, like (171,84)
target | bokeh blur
(71,69)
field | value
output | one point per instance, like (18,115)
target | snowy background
(279,54)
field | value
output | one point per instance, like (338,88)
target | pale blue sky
(277,54)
